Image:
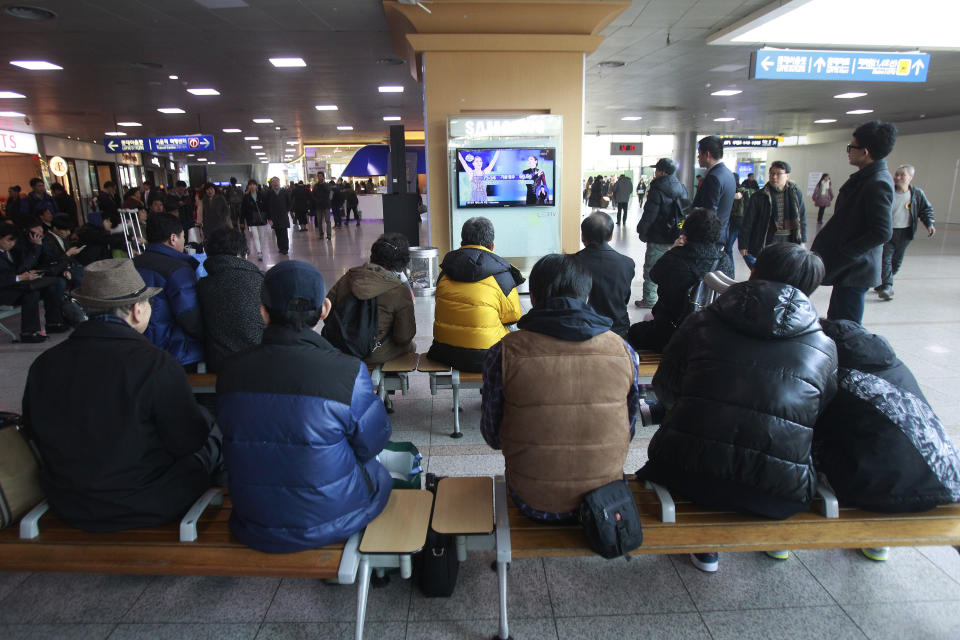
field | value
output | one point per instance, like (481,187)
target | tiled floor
(815,594)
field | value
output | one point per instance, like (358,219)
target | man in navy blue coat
(716,192)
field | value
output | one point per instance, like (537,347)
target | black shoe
(284,253)
(32,338)
(886,293)
(57,327)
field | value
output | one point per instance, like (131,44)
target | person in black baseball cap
(666,166)
(667,202)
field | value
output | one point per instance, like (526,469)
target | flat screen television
(516,177)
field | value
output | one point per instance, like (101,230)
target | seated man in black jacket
(24,286)
(612,272)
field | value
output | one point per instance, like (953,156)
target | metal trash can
(424,270)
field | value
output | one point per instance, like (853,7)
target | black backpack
(352,326)
(672,221)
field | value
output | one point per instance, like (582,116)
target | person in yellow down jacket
(476,298)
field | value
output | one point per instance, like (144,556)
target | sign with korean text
(626,148)
(858,66)
(760,143)
(16,142)
(157,145)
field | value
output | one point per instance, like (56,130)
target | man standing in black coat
(716,192)
(851,243)
(612,272)
(658,226)
(276,203)
(321,205)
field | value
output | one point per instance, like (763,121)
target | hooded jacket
(476,296)
(302,426)
(879,443)
(229,299)
(396,324)
(743,383)
(560,399)
(658,209)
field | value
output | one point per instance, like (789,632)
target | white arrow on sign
(766,64)
(918,67)
(112,145)
(820,64)
(204,143)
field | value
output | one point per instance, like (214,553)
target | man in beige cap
(123,441)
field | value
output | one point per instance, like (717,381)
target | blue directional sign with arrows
(157,145)
(858,66)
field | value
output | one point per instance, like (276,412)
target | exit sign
(626,148)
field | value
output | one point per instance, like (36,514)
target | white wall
(935,155)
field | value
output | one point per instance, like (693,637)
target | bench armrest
(501,521)
(30,523)
(349,560)
(188,525)
(831,508)
(668,510)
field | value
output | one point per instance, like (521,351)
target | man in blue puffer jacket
(302,426)
(176,325)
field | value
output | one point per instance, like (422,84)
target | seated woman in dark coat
(692,256)
(743,382)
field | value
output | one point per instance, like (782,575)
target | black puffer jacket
(658,209)
(744,381)
(879,443)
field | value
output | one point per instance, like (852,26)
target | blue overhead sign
(157,145)
(859,66)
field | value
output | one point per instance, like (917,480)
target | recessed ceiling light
(326,107)
(724,119)
(263,120)
(390,89)
(824,120)
(727,92)
(260,153)
(293,143)
(344,127)
(256,146)
(232,130)
(850,94)
(288,62)
(11,114)
(129,124)
(251,137)
(211,162)
(171,110)
(391,118)
(114,133)
(174,77)
(264,162)
(11,94)
(191,155)
(859,112)
(201,159)
(36,65)
(277,128)
(631,118)
(204,92)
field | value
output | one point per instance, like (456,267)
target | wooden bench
(202,382)
(8,312)
(444,377)
(647,366)
(201,544)
(393,375)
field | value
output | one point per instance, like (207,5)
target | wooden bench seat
(202,382)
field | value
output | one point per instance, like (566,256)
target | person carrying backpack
(659,226)
(372,316)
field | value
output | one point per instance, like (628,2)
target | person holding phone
(21,284)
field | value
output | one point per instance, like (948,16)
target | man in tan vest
(560,395)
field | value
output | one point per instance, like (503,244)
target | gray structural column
(685,155)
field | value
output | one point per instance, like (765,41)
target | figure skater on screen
(478,174)
(536,190)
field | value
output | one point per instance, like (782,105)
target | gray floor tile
(182,631)
(55,631)
(525,629)
(898,620)
(308,600)
(476,594)
(804,623)
(411,413)
(199,599)
(851,578)
(420,438)
(751,580)
(10,580)
(660,626)
(946,558)
(594,586)
(72,597)
(331,630)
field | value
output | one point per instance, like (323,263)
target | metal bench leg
(504,551)
(363,589)
(455,383)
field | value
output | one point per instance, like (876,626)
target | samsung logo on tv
(515,127)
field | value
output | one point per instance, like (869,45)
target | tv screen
(505,177)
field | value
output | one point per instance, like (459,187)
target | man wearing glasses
(851,243)
(774,214)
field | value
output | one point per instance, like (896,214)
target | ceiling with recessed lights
(126,60)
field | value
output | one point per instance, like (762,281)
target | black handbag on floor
(437,565)
(611,521)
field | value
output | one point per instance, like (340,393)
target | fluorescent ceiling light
(114,133)
(724,119)
(263,120)
(344,127)
(129,124)
(849,95)
(36,65)
(632,118)
(11,114)
(326,107)
(260,153)
(824,121)
(11,94)
(859,112)
(211,162)
(293,143)
(251,137)
(391,118)
(264,162)
(390,89)
(171,110)
(288,62)
(927,24)
(201,159)
(204,92)
(232,130)
(256,146)
(174,77)
(727,92)
(277,128)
